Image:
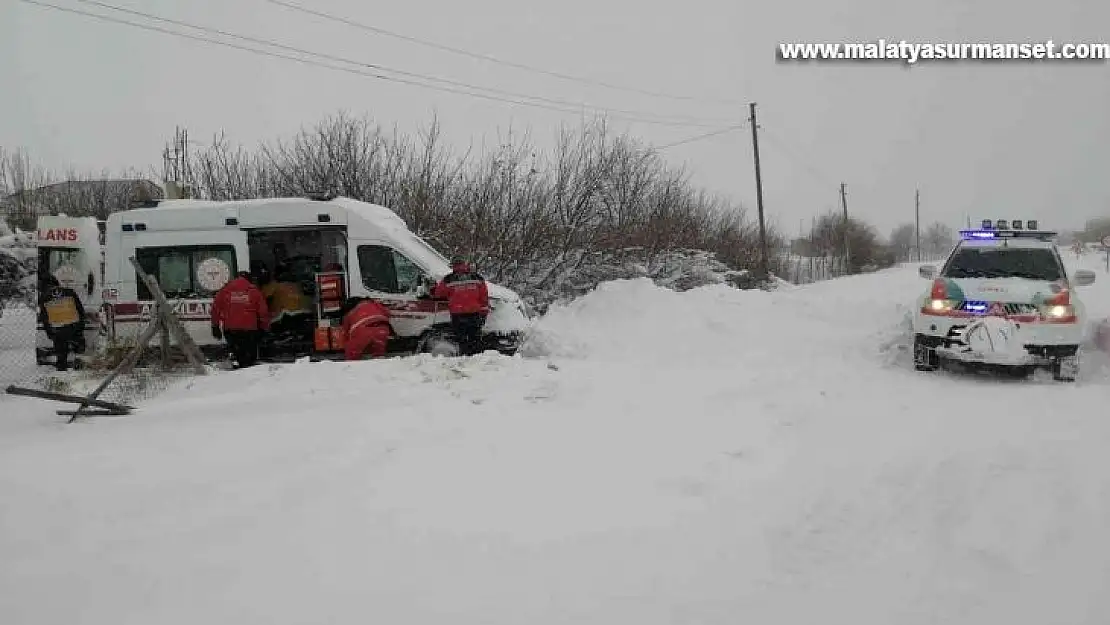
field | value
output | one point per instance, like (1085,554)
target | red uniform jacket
(366,313)
(240,306)
(465,292)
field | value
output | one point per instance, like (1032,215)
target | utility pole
(847,227)
(764,266)
(917,221)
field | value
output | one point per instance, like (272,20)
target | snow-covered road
(714,456)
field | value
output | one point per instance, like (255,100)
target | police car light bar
(990,234)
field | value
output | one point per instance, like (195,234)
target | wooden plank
(70,399)
(93,413)
(165,342)
(164,311)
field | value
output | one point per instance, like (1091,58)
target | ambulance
(331,248)
(72,250)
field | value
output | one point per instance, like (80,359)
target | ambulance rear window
(176,270)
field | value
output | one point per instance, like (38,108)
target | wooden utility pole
(764,264)
(917,221)
(847,227)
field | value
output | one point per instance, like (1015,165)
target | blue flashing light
(978,235)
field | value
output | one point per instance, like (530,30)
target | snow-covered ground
(712,456)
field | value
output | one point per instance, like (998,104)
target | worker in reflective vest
(63,318)
(366,326)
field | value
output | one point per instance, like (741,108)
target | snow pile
(711,453)
(565,279)
(637,318)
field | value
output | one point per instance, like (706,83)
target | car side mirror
(927,271)
(1084,277)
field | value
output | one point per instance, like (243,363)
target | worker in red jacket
(468,301)
(241,310)
(366,326)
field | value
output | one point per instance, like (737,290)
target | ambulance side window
(386,270)
(175,269)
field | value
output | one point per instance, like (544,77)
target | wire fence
(27,360)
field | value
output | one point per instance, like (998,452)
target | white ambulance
(192,248)
(71,249)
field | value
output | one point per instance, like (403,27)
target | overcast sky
(1004,139)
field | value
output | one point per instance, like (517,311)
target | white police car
(1002,298)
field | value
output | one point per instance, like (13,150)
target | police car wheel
(1065,369)
(924,356)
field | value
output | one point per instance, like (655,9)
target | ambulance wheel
(440,343)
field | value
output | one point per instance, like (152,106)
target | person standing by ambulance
(242,312)
(366,327)
(468,302)
(63,318)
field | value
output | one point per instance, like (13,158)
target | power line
(578,111)
(702,136)
(330,57)
(492,59)
(798,160)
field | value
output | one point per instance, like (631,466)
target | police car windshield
(999,262)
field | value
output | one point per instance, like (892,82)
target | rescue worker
(468,302)
(241,311)
(63,318)
(366,327)
(291,311)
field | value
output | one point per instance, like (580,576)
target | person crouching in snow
(240,308)
(468,302)
(366,326)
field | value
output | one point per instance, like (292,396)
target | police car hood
(1006,290)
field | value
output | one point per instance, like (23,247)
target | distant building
(78,198)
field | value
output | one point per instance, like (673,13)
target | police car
(1003,298)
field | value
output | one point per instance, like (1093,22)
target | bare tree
(937,239)
(903,241)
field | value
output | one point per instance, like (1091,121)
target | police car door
(393,279)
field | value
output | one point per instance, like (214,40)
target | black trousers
(67,339)
(468,330)
(243,345)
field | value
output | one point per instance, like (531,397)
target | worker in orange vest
(366,326)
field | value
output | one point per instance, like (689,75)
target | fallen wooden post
(94,413)
(69,399)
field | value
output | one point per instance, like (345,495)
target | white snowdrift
(713,456)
